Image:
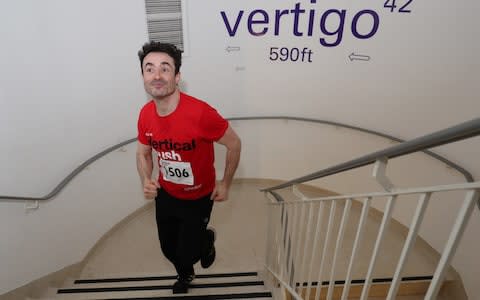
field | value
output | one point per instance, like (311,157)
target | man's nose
(157,74)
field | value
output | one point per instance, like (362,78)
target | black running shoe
(208,259)
(182,284)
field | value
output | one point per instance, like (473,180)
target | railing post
(409,243)
(331,219)
(452,243)
(314,248)
(300,233)
(338,245)
(356,245)
(308,237)
(387,215)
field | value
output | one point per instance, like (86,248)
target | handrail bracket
(31,205)
(380,174)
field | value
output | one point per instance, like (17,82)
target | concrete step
(205,286)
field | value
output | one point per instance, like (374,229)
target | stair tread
(204,292)
(139,283)
(244,285)
(189,296)
(163,277)
(195,284)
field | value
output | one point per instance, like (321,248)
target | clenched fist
(150,189)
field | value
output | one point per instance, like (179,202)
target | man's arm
(233,144)
(145,169)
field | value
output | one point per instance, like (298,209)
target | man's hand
(233,144)
(150,189)
(220,192)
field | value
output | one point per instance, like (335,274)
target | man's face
(159,76)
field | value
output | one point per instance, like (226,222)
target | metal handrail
(468,176)
(449,135)
(70,176)
(80,168)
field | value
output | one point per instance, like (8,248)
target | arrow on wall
(354,56)
(230,49)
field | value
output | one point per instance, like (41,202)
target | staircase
(242,285)
(128,264)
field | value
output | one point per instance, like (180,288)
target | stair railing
(59,187)
(306,235)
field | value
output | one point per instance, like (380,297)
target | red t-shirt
(183,142)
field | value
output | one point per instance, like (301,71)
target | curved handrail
(75,172)
(449,135)
(468,176)
(80,168)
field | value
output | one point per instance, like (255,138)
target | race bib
(177,172)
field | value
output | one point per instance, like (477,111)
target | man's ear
(177,78)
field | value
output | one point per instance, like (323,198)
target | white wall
(70,76)
(60,233)
(422,77)
(63,230)
(70,87)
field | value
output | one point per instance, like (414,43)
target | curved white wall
(70,86)
(70,76)
(63,230)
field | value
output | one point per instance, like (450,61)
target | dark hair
(170,49)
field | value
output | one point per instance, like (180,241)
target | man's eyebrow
(166,63)
(163,63)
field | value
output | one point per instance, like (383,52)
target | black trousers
(181,228)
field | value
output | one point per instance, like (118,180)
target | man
(181,129)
